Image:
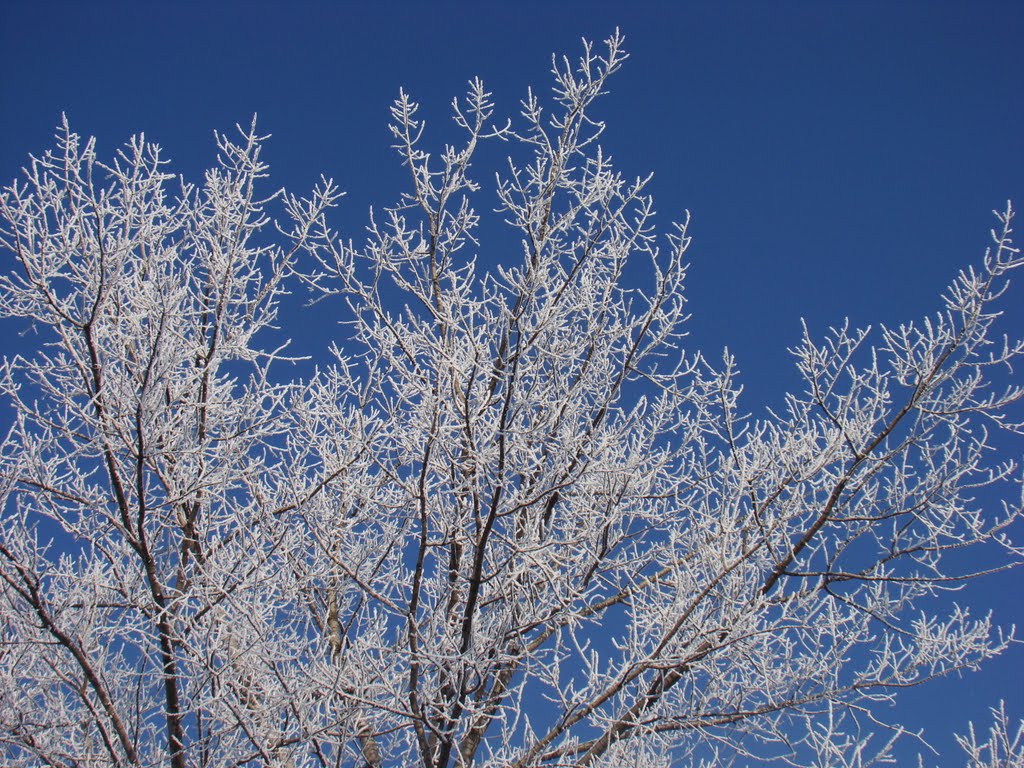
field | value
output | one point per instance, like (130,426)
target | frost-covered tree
(1004,748)
(509,521)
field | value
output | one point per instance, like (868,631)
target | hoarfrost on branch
(513,523)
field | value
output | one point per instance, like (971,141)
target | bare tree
(513,523)
(1002,750)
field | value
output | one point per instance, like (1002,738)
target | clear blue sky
(839,158)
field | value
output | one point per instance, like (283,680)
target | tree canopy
(513,519)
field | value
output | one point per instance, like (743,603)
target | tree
(512,523)
(1000,750)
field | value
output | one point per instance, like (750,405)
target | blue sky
(839,159)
